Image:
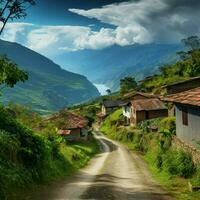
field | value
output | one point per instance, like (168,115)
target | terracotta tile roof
(148,104)
(190,97)
(67,120)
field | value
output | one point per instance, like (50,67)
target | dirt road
(114,174)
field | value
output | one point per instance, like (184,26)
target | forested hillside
(49,87)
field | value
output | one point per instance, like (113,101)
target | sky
(56,26)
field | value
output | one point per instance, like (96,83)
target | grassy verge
(29,158)
(173,169)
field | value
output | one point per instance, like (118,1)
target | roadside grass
(79,153)
(29,158)
(165,163)
(76,155)
(177,186)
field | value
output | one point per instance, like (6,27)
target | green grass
(148,145)
(177,186)
(28,159)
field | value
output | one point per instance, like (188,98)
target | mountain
(49,86)
(108,65)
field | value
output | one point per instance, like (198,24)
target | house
(128,110)
(70,125)
(145,109)
(183,85)
(108,106)
(187,106)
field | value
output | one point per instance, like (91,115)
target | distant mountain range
(109,65)
(49,86)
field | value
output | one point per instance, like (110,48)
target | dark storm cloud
(163,20)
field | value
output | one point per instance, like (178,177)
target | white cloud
(50,40)
(13,29)
(146,21)
(138,21)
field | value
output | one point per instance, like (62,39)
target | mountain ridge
(108,65)
(49,86)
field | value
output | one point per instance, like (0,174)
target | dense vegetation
(172,167)
(28,158)
(187,67)
(49,87)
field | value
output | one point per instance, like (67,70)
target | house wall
(158,113)
(142,115)
(127,111)
(74,136)
(188,133)
(107,111)
(103,110)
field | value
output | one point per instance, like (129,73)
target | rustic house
(70,125)
(187,106)
(145,109)
(132,99)
(108,106)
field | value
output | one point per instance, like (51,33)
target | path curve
(114,174)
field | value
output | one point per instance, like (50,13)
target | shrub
(168,123)
(180,163)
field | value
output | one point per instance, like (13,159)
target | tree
(10,74)
(13,9)
(127,84)
(108,91)
(191,43)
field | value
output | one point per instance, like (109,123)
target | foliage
(127,84)
(28,158)
(13,9)
(180,163)
(188,66)
(10,74)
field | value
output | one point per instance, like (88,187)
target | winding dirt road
(114,174)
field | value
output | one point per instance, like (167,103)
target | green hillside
(49,87)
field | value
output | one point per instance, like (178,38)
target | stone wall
(179,144)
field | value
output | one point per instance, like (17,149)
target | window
(185,116)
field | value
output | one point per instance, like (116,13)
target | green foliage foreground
(173,168)
(27,158)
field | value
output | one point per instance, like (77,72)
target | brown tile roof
(190,97)
(148,104)
(134,93)
(67,120)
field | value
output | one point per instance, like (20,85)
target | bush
(180,163)
(168,123)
